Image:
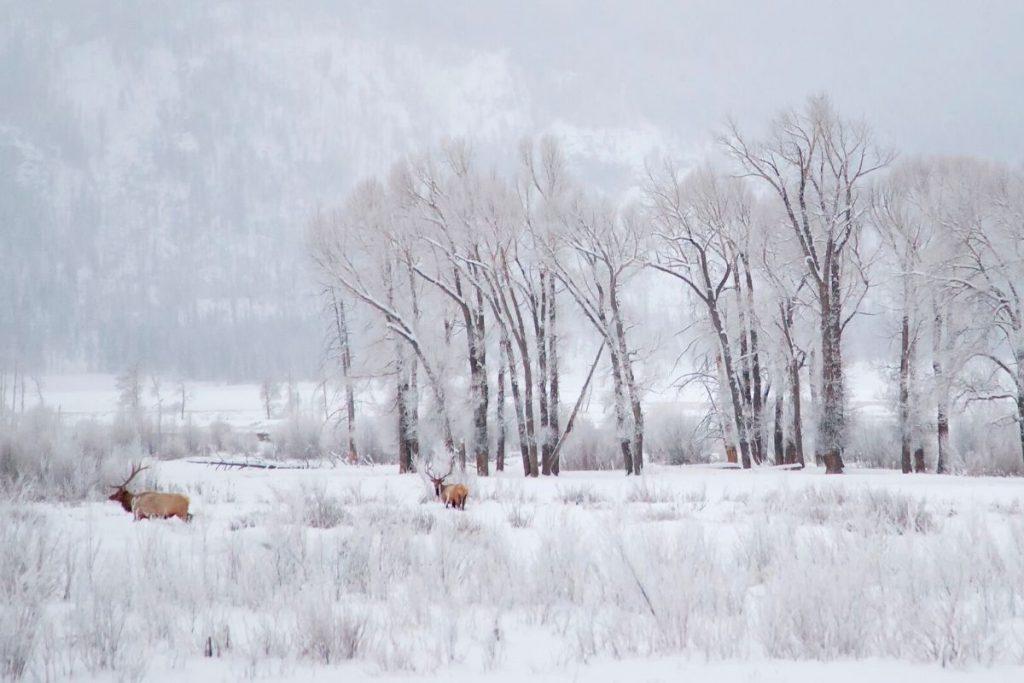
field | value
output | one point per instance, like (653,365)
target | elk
(452,495)
(150,504)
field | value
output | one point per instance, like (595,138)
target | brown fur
(452,495)
(150,504)
(153,505)
(455,496)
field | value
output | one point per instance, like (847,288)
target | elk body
(150,504)
(452,495)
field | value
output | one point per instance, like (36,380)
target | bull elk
(150,504)
(452,495)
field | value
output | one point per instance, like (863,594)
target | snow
(275,557)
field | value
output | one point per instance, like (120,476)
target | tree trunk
(621,421)
(478,378)
(778,441)
(904,398)
(814,383)
(540,314)
(553,382)
(830,432)
(743,364)
(405,457)
(517,403)
(633,391)
(749,322)
(798,426)
(530,465)
(941,391)
(499,418)
(919,459)
(733,383)
(345,353)
(1020,411)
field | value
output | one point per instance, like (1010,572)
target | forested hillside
(159,164)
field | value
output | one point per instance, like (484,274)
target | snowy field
(95,396)
(687,573)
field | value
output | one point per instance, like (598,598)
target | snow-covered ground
(685,573)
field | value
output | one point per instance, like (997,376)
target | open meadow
(350,572)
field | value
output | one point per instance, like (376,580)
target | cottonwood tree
(899,215)
(983,207)
(339,350)
(599,249)
(787,281)
(446,198)
(544,191)
(696,223)
(816,162)
(366,249)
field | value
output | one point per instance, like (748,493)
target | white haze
(159,162)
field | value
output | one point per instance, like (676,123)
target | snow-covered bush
(590,447)
(672,437)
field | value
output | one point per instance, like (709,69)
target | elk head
(438,482)
(121,493)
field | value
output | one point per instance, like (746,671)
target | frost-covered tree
(600,248)
(698,223)
(982,208)
(270,393)
(816,163)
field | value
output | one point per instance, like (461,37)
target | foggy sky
(931,76)
(159,161)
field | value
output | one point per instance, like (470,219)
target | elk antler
(430,471)
(135,470)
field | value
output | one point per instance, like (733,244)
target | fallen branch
(576,409)
(242,464)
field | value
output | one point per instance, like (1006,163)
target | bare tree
(595,256)
(815,162)
(270,393)
(696,222)
(896,211)
(447,200)
(364,250)
(340,350)
(984,209)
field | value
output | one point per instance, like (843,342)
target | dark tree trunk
(553,390)
(406,461)
(540,314)
(832,426)
(919,459)
(942,393)
(778,441)
(1020,417)
(743,363)
(756,397)
(481,441)
(798,425)
(904,398)
(499,418)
